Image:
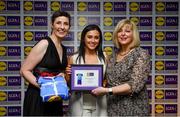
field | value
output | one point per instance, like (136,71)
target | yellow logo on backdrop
(160,36)
(3,81)
(26,83)
(108,6)
(159,65)
(159,50)
(159,108)
(28,36)
(2,20)
(3,66)
(2,36)
(134,6)
(108,50)
(28,5)
(3,111)
(28,20)
(160,6)
(55,6)
(2,5)
(160,21)
(82,21)
(108,21)
(159,80)
(2,51)
(3,96)
(79,36)
(108,36)
(27,50)
(159,94)
(82,6)
(135,20)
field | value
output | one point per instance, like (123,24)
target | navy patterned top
(133,69)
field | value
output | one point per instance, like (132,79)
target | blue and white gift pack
(53,88)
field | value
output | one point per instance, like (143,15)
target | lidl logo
(3,111)
(108,21)
(3,66)
(160,6)
(108,36)
(160,21)
(3,96)
(159,94)
(2,35)
(108,50)
(160,50)
(28,5)
(108,6)
(135,20)
(159,108)
(82,6)
(160,36)
(2,20)
(27,50)
(79,36)
(2,5)
(159,65)
(82,21)
(28,20)
(3,51)
(159,80)
(55,5)
(28,36)
(134,6)
(3,81)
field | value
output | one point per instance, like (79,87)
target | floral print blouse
(133,69)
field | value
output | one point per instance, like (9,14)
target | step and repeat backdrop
(24,22)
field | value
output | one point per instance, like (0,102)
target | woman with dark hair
(47,58)
(89,52)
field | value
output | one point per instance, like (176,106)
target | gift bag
(53,88)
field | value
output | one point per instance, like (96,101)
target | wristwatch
(110,91)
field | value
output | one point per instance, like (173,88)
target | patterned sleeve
(140,72)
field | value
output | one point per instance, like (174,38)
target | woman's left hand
(61,74)
(99,91)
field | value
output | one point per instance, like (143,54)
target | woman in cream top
(90,52)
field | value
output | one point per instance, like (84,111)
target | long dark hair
(81,51)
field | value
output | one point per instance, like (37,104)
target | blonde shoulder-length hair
(119,26)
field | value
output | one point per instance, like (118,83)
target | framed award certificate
(86,77)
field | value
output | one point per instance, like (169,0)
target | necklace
(125,53)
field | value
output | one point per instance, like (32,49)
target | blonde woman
(127,72)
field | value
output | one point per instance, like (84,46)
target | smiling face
(125,35)
(92,39)
(60,26)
